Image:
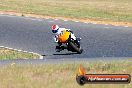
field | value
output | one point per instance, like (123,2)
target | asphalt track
(34,35)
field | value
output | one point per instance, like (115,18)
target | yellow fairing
(63,36)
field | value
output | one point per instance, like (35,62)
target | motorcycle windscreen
(63,37)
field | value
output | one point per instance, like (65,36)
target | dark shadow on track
(65,53)
(43,55)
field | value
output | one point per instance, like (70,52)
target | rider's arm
(64,29)
(67,30)
(55,39)
(70,30)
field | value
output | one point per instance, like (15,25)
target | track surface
(35,35)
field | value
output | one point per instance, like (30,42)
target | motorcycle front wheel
(74,46)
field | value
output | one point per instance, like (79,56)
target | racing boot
(58,48)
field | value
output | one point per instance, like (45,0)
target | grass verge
(13,54)
(60,75)
(114,10)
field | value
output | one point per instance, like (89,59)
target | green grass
(60,75)
(114,10)
(12,54)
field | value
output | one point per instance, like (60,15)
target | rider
(57,30)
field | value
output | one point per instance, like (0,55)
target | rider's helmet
(55,28)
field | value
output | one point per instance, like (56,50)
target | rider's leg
(58,47)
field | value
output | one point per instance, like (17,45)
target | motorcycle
(68,43)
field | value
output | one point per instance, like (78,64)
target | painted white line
(76,21)
(13,63)
(125,26)
(27,16)
(1,46)
(32,19)
(36,53)
(41,57)
(19,50)
(6,47)
(94,23)
(25,51)
(10,48)
(14,15)
(50,21)
(106,27)
(15,49)
(40,20)
(106,24)
(30,52)
(114,25)
(86,22)
(56,19)
(65,20)
(46,18)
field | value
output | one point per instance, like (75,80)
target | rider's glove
(55,39)
(70,31)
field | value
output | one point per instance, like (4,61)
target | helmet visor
(55,31)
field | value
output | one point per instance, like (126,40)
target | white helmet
(55,28)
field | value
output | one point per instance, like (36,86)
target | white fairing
(73,36)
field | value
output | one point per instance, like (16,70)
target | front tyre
(74,46)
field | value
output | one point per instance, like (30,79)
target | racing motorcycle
(68,43)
